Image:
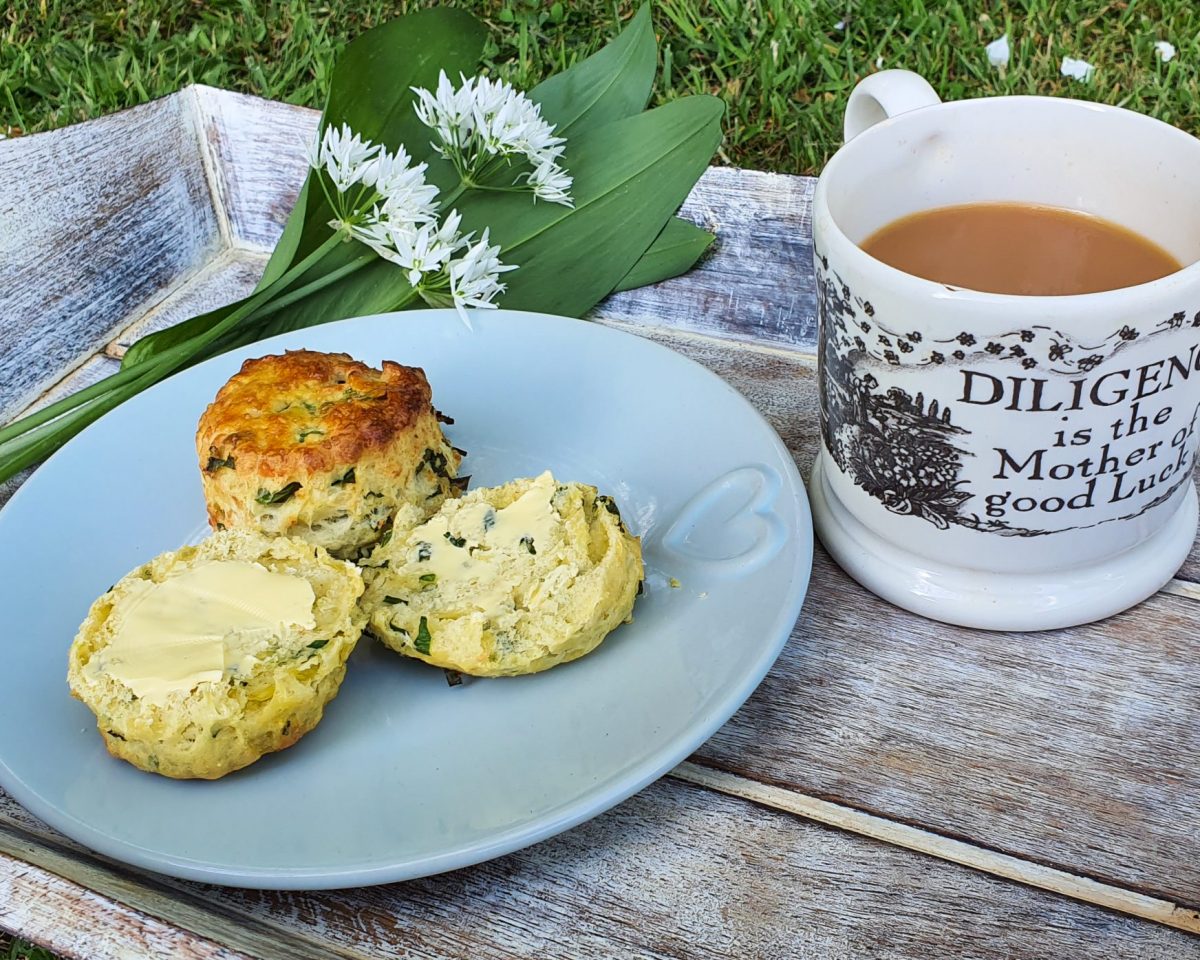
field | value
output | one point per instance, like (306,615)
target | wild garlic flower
(343,155)
(485,127)
(402,186)
(444,266)
(549,182)
(474,277)
(370,185)
(419,248)
(382,200)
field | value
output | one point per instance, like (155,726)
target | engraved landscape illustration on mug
(917,454)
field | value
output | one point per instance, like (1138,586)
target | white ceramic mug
(1008,462)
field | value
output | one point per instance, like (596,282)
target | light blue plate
(407,776)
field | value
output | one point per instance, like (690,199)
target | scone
(203,660)
(322,447)
(508,580)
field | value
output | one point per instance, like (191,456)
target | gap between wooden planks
(932,844)
(203,919)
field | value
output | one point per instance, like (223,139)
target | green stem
(463,186)
(515,188)
(287,299)
(39,442)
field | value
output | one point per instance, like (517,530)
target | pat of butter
(207,620)
(529,518)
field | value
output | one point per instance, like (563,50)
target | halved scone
(204,659)
(507,580)
(323,447)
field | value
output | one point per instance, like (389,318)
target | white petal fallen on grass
(1165,51)
(1079,70)
(998,52)
(840,25)
(879,62)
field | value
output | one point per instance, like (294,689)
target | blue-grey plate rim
(602,797)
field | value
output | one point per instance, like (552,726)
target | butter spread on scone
(508,580)
(204,659)
(215,617)
(323,447)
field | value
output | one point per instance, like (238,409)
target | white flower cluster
(485,126)
(370,184)
(381,199)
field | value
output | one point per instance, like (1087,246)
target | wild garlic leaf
(281,495)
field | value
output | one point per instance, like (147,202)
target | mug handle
(884,94)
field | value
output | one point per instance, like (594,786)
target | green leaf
(369,90)
(630,177)
(674,251)
(611,84)
(284,254)
(216,463)
(282,495)
(155,343)
(379,287)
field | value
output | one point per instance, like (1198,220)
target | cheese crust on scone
(323,447)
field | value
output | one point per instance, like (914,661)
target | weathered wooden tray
(964,773)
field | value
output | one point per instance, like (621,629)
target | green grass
(783,66)
(21,950)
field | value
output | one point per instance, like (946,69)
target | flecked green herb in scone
(507,580)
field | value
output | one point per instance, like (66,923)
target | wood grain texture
(100,219)
(676,872)
(79,924)
(757,283)
(256,151)
(229,276)
(1074,747)
(946,848)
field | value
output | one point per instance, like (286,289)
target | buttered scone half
(202,660)
(323,447)
(508,580)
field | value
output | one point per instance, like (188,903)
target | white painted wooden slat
(256,148)
(676,873)
(98,221)
(229,276)
(80,924)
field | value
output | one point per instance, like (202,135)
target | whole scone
(322,447)
(188,681)
(508,580)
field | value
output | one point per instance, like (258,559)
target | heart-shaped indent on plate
(730,528)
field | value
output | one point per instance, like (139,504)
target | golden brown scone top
(307,412)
